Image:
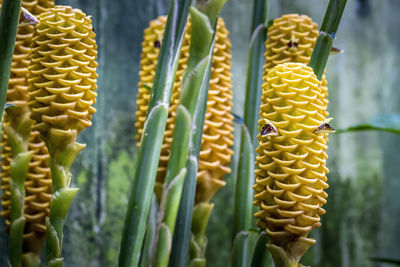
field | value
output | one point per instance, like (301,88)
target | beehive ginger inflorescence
(217,139)
(62,73)
(291,38)
(291,161)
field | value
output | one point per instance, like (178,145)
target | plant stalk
(17,132)
(198,241)
(181,241)
(61,159)
(152,137)
(200,54)
(243,211)
(327,34)
(9,19)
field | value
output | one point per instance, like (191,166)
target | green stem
(255,67)
(201,46)
(152,137)
(9,19)
(180,244)
(61,158)
(282,258)
(17,131)
(327,34)
(243,211)
(198,242)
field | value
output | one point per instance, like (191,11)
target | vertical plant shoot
(217,139)
(62,84)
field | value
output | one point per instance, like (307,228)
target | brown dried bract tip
(62,73)
(217,139)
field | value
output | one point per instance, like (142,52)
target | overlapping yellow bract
(38,180)
(291,167)
(62,73)
(217,139)
(291,38)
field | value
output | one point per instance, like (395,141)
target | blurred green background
(363,210)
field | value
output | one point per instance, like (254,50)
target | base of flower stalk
(198,242)
(282,258)
(30,260)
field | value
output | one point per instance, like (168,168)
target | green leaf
(243,202)
(19,169)
(61,201)
(174,192)
(9,19)
(381,122)
(255,67)
(243,248)
(327,34)
(261,256)
(145,259)
(164,248)
(15,244)
(52,242)
(152,137)
(181,241)
(386,260)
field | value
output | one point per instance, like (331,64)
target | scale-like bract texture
(291,166)
(291,38)
(38,179)
(62,73)
(217,139)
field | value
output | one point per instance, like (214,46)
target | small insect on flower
(325,127)
(268,129)
(157,44)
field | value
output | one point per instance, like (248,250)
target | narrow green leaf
(255,67)
(164,248)
(244,241)
(52,242)
(326,36)
(211,8)
(181,241)
(15,244)
(19,169)
(61,201)
(381,122)
(145,259)
(201,41)
(243,207)
(261,256)
(9,19)
(174,193)
(152,137)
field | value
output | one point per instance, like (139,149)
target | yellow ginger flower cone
(38,179)
(291,38)
(62,83)
(62,77)
(217,139)
(291,162)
